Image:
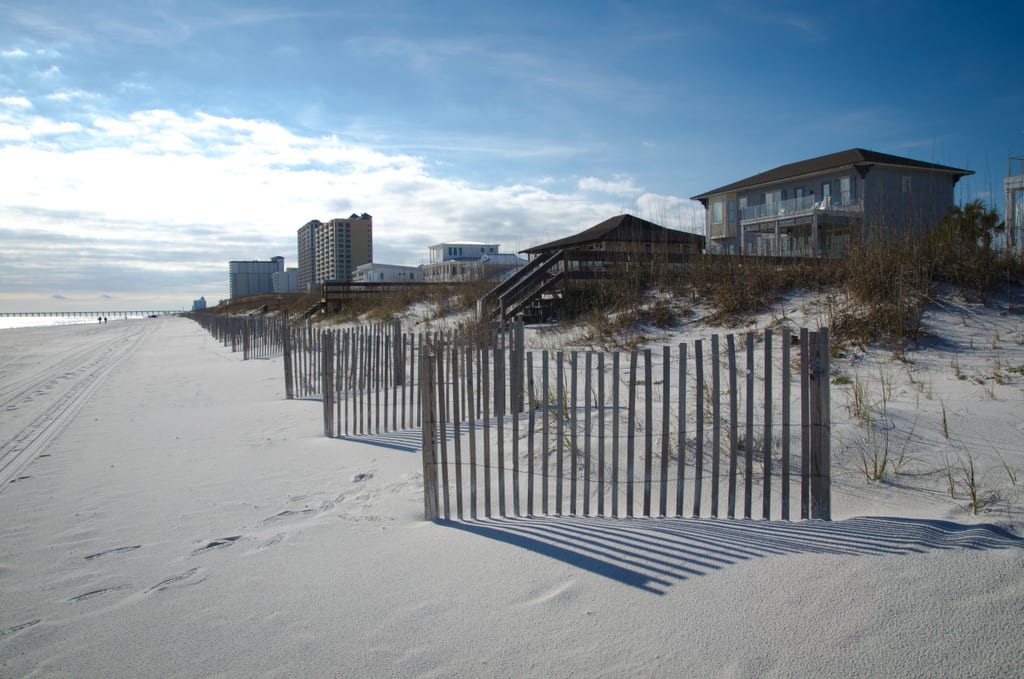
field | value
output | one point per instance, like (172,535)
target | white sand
(172,515)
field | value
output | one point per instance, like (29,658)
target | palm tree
(973,224)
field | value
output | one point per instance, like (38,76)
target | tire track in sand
(60,406)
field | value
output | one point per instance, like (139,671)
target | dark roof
(858,158)
(624,228)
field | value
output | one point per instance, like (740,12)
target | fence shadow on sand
(653,553)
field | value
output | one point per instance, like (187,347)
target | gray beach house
(813,208)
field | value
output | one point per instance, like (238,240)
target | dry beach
(165,511)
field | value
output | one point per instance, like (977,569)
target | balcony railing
(801,206)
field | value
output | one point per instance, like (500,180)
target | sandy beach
(166,512)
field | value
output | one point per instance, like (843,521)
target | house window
(716,212)
(731,210)
(845,190)
(905,183)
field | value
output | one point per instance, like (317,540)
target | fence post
(730,343)
(766,455)
(805,426)
(286,337)
(786,371)
(327,379)
(698,454)
(821,428)
(716,422)
(429,419)
(681,460)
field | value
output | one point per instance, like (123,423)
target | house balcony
(799,210)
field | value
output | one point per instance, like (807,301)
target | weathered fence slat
(716,418)
(666,405)
(805,428)
(648,431)
(681,445)
(630,434)
(820,408)
(573,428)
(600,434)
(733,424)
(499,416)
(698,459)
(587,431)
(766,454)
(748,442)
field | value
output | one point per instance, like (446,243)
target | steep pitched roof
(623,228)
(858,158)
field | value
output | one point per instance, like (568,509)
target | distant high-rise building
(253,277)
(331,251)
(307,255)
(285,281)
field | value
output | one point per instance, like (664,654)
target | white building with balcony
(468,261)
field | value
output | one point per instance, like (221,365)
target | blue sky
(144,144)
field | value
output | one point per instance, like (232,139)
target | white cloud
(14,53)
(617,186)
(15,102)
(33,128)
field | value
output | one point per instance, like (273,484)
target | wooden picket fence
(734,425)
(255,336)
(625,441)
(367,376)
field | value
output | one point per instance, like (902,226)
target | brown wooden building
(622,239)
(601,251)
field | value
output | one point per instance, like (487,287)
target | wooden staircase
(531,291)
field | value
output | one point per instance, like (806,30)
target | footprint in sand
(297,513)
(271,542)
(217,544)
(115,550)
(98,592)
(287,514)
(17,628)
(182,579)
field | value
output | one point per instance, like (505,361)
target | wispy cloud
(69,95)
(619,186)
